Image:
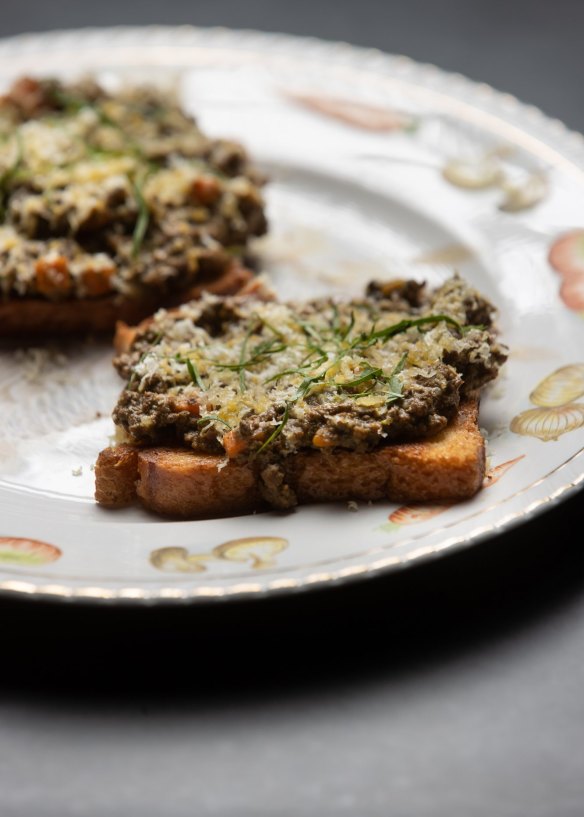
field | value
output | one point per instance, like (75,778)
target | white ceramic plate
(380,167)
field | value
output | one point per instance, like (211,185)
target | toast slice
(22,317)
(233,404)
(113,205)
(182,483)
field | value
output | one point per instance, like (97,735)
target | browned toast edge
(35,316)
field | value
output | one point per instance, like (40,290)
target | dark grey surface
(452,690)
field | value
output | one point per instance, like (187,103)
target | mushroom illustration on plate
(179,560)
(486,171)
(257,551)
(474,174)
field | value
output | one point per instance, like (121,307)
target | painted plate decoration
(379,167)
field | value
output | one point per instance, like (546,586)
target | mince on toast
(180,482)
(112,205)
(236,403)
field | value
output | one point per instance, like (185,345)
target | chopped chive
(395,384)
(259,353)
(307,384)
(346,331)
(266,348)
(470,326)
(212,418)
(194,373)
(276,431)
(403,326)
(309,330)
(299,370)
(270,327)
(69,102)
(73,104)
(242,354)
(335,322)
(372,372)
(141,222)
(395,392)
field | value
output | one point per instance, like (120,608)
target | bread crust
(34,316)
(182,483)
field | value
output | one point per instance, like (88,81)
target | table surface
(452,689)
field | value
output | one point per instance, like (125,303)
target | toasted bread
(322,401)
(132,212)
(34,316)
(179,482)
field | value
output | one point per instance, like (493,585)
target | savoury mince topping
(262,380)
(103,194)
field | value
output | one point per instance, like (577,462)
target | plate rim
(371,59)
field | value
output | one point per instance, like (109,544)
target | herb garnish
(192,370)
(368,374)
(212,418)
(395,384)
(71,104)
(403,326)
(142,221)
(276,431)
(259,353)
(242,354)
(361,343)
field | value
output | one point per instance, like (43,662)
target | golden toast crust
(31,316)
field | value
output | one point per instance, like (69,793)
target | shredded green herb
(212,418)
(242,355)
(71,104)
(363,378)
(310,331)
(346,331)
(403,326)
(68,101)
(193,372)
(141,222)
(362,342)
(259,353)
(365,341)
(299,370)
(276,431)
(464,330)
(270,327)
(395,384)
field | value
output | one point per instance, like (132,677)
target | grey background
(454,689)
